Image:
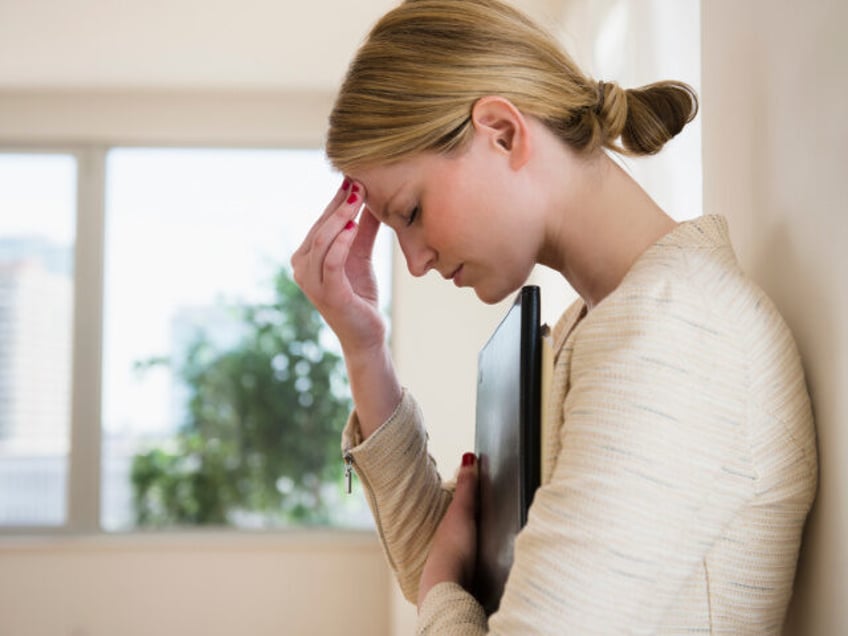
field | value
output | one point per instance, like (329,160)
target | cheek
(462,207)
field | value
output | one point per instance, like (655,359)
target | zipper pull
(348,473)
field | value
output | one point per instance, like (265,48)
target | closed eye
(412,216)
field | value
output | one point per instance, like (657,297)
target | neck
(599,223)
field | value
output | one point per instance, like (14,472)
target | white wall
(775,99)
(637,43)
(180,44)
(158,117)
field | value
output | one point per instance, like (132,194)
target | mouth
(455,275)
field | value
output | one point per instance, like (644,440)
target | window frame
(82,495)
(87,123)
(84,473)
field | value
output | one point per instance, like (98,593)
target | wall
(775,98)
(157,117)
(315,584)
(637,43)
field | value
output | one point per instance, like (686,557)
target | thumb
(363,244)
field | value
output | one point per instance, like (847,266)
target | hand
(453,553)
(333,268)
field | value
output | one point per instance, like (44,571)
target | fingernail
(355,188)
(468,459)
(350,225)
(345,184)
(352,198)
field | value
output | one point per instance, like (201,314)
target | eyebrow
(385,213)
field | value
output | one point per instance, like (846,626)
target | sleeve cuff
(449,609)
(398,440)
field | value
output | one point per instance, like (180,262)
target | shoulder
(688,285)
(675,316)
(686,320)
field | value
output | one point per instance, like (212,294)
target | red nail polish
(352,198)
(345,184)
(350,225)
(355,188)
(468,459)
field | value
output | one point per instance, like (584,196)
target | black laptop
(507,439)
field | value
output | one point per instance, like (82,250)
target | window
(37,235)
(196,246)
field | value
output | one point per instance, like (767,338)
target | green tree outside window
(261,439)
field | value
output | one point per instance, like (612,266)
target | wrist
(374,386)
(437,570)
(365,356)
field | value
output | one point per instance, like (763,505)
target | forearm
(374,385)
(333,268)
(402,486)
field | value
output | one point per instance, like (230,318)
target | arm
(403,488)
(384,440)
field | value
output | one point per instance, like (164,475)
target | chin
(493,289)
(492,296)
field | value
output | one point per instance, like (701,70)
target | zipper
(348,472)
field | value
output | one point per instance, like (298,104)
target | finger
(341,195)
(326,236)
(333,277)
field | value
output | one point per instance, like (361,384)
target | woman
(682,445)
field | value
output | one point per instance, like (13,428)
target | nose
(420,259)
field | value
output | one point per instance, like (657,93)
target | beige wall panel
(775,102)
(321,584)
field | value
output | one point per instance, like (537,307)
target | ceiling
(188,44)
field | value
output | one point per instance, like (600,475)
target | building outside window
(37,234)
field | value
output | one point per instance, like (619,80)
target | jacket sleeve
(403,488)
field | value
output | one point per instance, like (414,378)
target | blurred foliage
(260,445)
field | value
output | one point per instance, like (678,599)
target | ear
(504,126)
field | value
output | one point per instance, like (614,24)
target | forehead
(378,176)
(403,178)
(383,183)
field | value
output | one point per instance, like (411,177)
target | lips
(455,275)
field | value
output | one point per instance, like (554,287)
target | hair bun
(645,118)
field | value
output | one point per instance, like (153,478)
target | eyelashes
(410,219)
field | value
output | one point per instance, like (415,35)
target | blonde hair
(413,84)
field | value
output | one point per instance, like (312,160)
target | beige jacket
(682,464)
